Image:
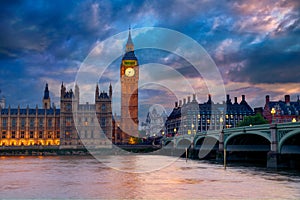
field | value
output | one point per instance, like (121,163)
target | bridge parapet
(280,132)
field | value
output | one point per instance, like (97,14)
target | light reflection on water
(85,177)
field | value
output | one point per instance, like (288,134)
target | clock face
(129,72)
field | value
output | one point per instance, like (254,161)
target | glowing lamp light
(294,120)
(273,111)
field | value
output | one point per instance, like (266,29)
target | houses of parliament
(75,125)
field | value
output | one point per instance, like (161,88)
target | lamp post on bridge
(221,122)
(273,111)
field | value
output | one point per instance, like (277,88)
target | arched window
(103,107)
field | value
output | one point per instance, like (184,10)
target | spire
(110,91)
(97,92)
(46,92)
(129,44)
(76,92)
(209,101)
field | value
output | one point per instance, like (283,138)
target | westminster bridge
(274,143)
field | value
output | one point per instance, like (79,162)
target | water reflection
(84,177)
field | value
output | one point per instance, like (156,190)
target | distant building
(155,122)
(52,126)
(284,111)
(190,117)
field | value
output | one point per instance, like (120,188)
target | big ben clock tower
(129,75)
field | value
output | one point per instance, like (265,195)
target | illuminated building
(190,117)
(129,76)
(52,126)
(284,111)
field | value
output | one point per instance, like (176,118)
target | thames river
(115,177)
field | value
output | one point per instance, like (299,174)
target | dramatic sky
(254,43)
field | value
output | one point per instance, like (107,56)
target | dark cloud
(251,40)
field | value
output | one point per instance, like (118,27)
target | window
(103,107)
(41,122)
(31,123)
(92,134)
(31,134)
(49,134)
(13,134)
(3,134)
(23,123)
(4,122)
(22,134)
(67,134)
(57,134)
(13,122)
(103,121)
(40,134)
(49,122)
(68,121)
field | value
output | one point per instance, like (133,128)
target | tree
(253,120)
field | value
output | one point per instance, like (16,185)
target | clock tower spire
(129,76)
(129,44)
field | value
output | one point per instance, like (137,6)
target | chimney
(184,101)
(243,97)
(176,104)
(194,97)
(228,100)
(287,99)
(180,103)
(267,99)
(235,100)
(189,99)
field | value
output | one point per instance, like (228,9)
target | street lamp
(294,120)
(273,111)
(174,131)
(221,122)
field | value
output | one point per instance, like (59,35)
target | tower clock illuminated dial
(129,72)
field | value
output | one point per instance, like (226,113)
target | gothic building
(71,126)
(190,117)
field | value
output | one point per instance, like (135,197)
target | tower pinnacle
(129,44)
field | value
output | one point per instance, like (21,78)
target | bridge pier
(220,153)
(273,155)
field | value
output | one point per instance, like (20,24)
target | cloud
(254,43)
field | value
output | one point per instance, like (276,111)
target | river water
(85,177)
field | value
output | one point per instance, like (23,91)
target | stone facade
(190,117)
(72,126)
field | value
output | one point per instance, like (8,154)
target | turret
(62,90)
(76,92)
(97,92)
(46,99)
(209,99)
(110,91)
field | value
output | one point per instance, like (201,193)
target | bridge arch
(288,136)
(169,144)
(184,142)
(206,136)
(258,133)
